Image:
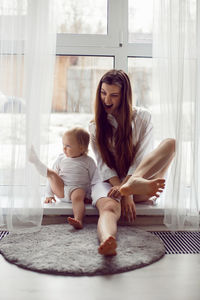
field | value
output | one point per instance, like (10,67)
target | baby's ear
(83,150)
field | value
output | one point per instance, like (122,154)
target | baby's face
(71,147)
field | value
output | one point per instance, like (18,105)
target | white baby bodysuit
(76,172)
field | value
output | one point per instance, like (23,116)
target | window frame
(114,44)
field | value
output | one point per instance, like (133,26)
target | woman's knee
(109,205)
(170,145)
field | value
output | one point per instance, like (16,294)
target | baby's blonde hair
(82,136)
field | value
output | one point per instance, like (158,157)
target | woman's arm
(116,184)
(128,209)
(114,181)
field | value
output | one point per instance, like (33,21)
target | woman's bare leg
(78,206)
(145,181)
(157,161)
(146,199)
(109,213)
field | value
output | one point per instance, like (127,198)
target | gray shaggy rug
(60,249)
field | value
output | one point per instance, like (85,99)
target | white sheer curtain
(27,54)
(176,74)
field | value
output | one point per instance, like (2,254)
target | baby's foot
(141,186)
(75,223)
(33,158)
(108,247)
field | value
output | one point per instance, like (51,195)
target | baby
(71,175)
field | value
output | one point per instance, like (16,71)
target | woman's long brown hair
(123,140)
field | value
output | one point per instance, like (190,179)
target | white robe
(142,139)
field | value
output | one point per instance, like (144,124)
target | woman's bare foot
(145,199)
(108,247)
(75,223)
(142,186)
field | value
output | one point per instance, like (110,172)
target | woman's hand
(114,192)
(50,200)
(128,209)
(116,185)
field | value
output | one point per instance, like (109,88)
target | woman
(121,137)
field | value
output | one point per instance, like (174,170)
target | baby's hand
(114,192)
(49,200)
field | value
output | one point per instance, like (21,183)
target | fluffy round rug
(60,249)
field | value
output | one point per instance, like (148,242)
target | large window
(93,37)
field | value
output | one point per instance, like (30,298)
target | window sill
(60,208)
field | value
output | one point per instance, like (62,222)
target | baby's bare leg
(153,165)
(34,159)
(56,183)
(109,213)
(78,206)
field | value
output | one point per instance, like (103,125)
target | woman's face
(111,98)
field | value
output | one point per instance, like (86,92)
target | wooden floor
(174,277)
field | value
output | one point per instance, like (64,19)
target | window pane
(140,13)
(82,17)
(140,72)
(13,7)
(76,79)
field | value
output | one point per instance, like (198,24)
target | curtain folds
(176,77)
(27,56)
